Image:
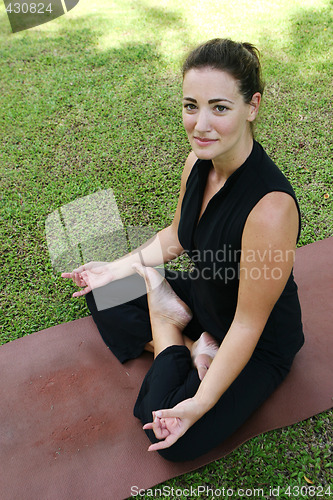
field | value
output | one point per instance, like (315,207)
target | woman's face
(215,116)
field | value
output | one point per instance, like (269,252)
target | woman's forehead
(210,82)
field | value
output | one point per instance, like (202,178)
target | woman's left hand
(170,425)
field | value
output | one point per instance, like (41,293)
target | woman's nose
(203,122)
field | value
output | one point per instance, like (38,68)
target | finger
(148,426)
(80,269)
(82,292)
(85,276)
(81,279)
(159,432)
(161,445)
(78,280)
(74,276)
(171,413)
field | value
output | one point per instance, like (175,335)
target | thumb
(172,413)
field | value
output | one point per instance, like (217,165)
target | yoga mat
(67,429)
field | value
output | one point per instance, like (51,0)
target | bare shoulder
(189,163)
(275,215)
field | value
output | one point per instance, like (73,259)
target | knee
(179,455)
(182,451)
(90,299)
(101,310)
(172,455)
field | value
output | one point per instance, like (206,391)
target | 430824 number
(31,8)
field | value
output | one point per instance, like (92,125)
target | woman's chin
(203,155)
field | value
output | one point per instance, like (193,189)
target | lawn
(91,101)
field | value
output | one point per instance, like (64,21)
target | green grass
(91,101)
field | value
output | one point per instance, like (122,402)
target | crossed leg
(168,317)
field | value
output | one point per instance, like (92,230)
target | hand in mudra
(170,425)
(90,276)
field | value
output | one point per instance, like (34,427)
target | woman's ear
(254,106)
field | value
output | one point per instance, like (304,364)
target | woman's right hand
(91,275)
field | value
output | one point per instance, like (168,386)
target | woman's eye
(220,108)
(189,107)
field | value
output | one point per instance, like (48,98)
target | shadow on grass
(108,108)
(77,119)
(309,34)
(77,114)
(296,116)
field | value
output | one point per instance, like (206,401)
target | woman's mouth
(203,141)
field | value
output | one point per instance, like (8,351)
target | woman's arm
(272,224)
(161,248)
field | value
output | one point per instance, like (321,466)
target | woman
(224,336)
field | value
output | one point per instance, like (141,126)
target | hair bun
(240,60)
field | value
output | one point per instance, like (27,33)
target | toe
(142,271)
(152,278)
(202,370)
(138,268)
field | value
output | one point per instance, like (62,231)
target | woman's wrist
(207,396)
(122,267)
(200,406)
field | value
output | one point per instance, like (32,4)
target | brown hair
(240,60)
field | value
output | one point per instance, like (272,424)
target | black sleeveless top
(214,245)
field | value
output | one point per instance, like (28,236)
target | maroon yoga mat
(67,429)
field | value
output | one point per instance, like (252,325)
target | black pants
(172,378)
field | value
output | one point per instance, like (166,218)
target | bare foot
(203,352)
(164,303)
